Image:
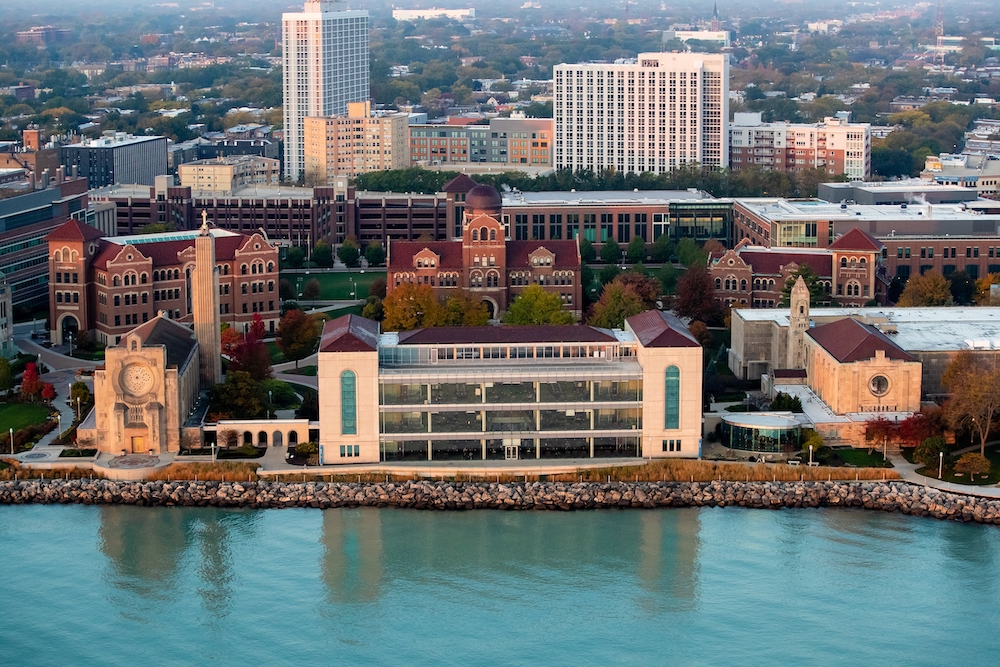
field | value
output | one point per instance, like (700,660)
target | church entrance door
(138,444)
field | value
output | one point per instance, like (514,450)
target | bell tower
(205,303)
(798,320)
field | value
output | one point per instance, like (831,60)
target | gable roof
(349,333)
(177,338)
(857,239)
(167,253)
(401,253)
(769,262)
(461,183)
(656,328)
(848,340)
(567,253)
(74,230)
(509,333)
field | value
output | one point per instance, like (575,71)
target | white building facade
(325,65)
(652,113)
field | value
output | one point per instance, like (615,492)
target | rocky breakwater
(892,496)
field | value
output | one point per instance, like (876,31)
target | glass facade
(672,399)
(775,434)
(348,403)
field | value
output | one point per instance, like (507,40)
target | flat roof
(906,185)
(113,142)
(917,329)
(763,419)
(779,209)
(507,334)
(136,239)
(606,197)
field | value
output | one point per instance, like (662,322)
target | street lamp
(12,440)
(270,406)
(59,421)
(78,408)
(354,287)
(810,455)
(71,343)
(940,464)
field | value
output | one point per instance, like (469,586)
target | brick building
(105,287)
(525,142)
(354,143)
(849,270)
(486,263)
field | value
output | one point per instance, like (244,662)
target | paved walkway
(52,357)
(311,360)
(908,471)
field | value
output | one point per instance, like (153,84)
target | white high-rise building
(325,62)
(652,113)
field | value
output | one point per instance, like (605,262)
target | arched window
(493,235)
(475,234)
(672,398)
(116,281)
(270,267)
(718,283)
(743,285)
(854,262)
(142,279)
(863,262)
(57,255)
(483,234)
(843,262)
(348,403)
(243,269)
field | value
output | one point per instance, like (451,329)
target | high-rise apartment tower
(325,63)
(652,113)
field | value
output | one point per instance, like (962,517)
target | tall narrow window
(348,404)
(672,399)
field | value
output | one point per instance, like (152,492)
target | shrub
(929,451)
(307,449)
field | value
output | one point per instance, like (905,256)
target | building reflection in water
(352,554)
(668,558)
(149,548)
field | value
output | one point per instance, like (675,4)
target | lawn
(18,415)
(336,285)
(862,459)
(992,453)
(277,356)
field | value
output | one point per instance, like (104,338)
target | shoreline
(886,496)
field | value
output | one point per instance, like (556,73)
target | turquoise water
(136,586)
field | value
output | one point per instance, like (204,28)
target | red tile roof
(74,230)
(770,262)
(856,239)
(788,373)
(550,333)
(401,253)
(349,333)
(848,340)
(165,253)
(655,328)
(567,253)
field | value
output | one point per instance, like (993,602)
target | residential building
(103,287)
(633,115)
(509,392)
(836,146)
(117,157)
(325,66)
(433,13)
(848,271)
(485,263)
(721,37)
(515,142)
(229,174)
(354,143)
(980,173)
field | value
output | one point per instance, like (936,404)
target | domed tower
(484,247)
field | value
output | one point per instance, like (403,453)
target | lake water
(169,586)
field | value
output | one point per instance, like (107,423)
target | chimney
(60,174)
(44,179)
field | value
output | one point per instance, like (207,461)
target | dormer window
(534,261)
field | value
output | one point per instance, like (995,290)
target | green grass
(861,458)
(992,453)
(89,355)
(334,313)
(19,415)
(336,285)
(277,356)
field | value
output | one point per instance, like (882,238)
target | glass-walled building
(511,392)
(762,432)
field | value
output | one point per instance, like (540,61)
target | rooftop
(190,235)
(114,141)
(509,334)
(778,209)
(916,329)
(605,197)
(849,340)
(178,340)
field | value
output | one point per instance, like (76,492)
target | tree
(618,301)
(879,431)
(375,253)
(701,333)
(929,452)
(536,306)
(668,276)
(79,390)
(973,464)
(696,296)
(311,289)
(663,248)
(929,289)
(915,429)
(714,247)
(689,254)
(587,252)
(464,310)
(48,393)
(410,306)
(240,396)
(974,383)
(646,288)
(786,403)
(636,251)
(295,256)
(377,288)
(31,384)
(230,339)
(349,252)
(608,273)
(6,375)
(256,330)
(373,309)
(611,252)
(297,335)
(251,355)
(286,290)
(962,287)
(322,253)
(817,294)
